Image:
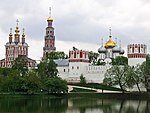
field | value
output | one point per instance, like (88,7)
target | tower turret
(136,54)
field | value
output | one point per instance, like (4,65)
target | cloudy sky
(80,23)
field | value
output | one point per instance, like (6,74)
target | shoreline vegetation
(45,80)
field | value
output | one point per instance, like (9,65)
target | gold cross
(17,21)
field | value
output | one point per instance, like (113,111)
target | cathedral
(109,51)
(78,62)
(15,48)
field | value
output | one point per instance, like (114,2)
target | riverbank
(129,96)
(132,96)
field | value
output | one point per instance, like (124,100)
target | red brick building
(16,48)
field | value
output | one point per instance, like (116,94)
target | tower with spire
(16,48)
(49,39)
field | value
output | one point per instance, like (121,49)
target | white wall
(135,61)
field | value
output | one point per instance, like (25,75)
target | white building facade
(78,63)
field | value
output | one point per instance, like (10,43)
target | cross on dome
(17,21)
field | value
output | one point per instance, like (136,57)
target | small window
(64,70)
(77,67)
(72,67)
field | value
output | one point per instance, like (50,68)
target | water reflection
(49,104)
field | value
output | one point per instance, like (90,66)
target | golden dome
(110,43)
(10,34)
(23,35)
(17,29)
(49,19)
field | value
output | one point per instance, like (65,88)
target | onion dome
(110,43)
(17,28)
(102,50)
(116,49)
(23,35)
(49,19)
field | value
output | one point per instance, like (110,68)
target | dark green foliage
(5,71)
(21,64)
(148,65)
(47,68)
(56,85)
(118,75)
(144,74)
(82,79)
(120,60)
(33,83)
(99,62)
(56,55)
(51,69)
(93,57)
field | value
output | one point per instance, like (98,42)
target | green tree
(135,74)
(120,60)
(148,65)
(82,79)
(56,55)
(144,75)
(14,81)
(20,64)
(47,68)
(117,75)
(56,85)
(33,83)
(5,71)
(93,57)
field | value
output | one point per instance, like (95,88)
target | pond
(51,104)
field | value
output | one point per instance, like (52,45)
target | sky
(79,23)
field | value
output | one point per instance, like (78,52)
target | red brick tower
(49,45)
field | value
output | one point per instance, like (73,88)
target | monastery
(77,63)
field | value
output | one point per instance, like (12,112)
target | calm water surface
(49,104)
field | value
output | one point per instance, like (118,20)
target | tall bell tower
(49,42)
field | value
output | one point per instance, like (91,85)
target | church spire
(23,37)
(110,32)
(10,35)
(17,28)
(17,36)
(49,18)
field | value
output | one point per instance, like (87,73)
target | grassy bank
(139,96)
(125,96)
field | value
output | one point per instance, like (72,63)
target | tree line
(44,79)
(125,76)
